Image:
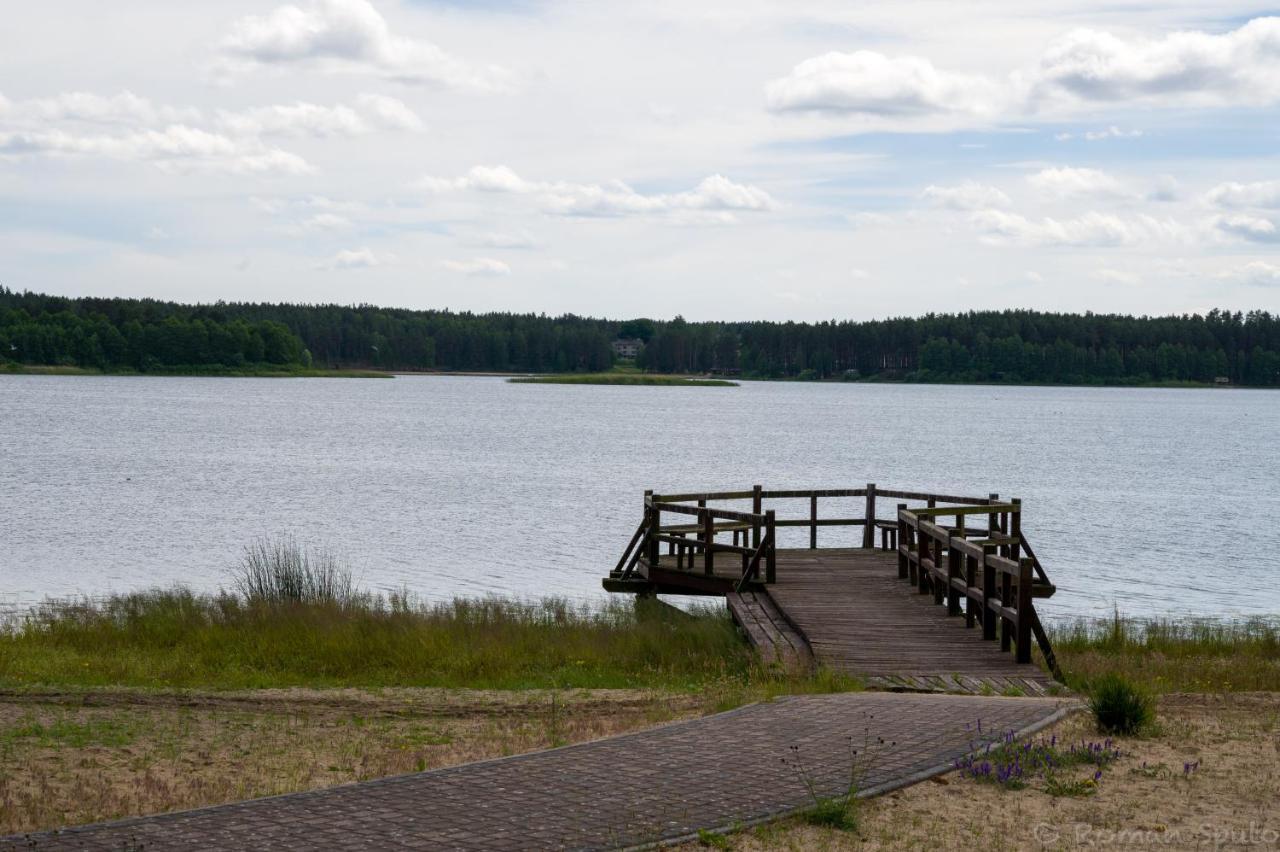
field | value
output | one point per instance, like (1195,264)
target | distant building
(1221,380)
(628,348)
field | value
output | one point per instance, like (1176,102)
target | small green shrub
(1118,706)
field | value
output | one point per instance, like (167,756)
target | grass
(1119,707)
(621,378)
(70,757)
(1163,655)
(176,638)
(268,371)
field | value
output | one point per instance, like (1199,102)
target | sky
(717,160)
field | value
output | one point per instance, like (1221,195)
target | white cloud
(1238,67)
(1070,182)
(1259,194)
(374,112)
(869,83)
(361,258)
(1093,229)
(487,267)
(176,148)
(713,195)
(1116,276)
(388,112)
(1251,228)
(1083,67)
(1112,132)
(351,36)
(505,240)
(968,195)
(90,108)
(1257,273)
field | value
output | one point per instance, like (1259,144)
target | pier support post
(1023,637)
(988,592)
(903,543)
(869,530)
(771,557)
(651,542)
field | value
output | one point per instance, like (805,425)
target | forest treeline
(986,346)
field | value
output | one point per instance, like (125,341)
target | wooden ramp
(858,617)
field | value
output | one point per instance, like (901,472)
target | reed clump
(1172,655)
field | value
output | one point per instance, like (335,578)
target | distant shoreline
(210,372)
(621,378)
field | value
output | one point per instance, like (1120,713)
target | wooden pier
(937,597)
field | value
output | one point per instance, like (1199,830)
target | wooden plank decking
(858,617)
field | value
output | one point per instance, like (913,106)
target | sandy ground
(1147,799)
(75,757)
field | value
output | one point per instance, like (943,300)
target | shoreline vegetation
(250,371)
(622,378)
(294,678)
(1012,347)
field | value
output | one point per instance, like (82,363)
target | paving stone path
(632,790)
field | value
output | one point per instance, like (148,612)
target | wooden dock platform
(936,607)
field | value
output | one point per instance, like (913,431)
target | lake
(1159,502)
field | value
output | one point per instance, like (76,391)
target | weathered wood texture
(859,617)
(767,629)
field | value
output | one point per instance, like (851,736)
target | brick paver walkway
(660,784)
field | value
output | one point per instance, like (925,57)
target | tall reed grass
(1168,655)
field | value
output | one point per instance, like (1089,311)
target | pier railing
(982,569)
(970,553)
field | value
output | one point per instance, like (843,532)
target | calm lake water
(1155,501)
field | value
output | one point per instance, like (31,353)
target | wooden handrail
(997,588)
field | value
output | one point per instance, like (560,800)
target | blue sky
(778,160)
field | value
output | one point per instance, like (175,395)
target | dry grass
(1146,799)
(75,757)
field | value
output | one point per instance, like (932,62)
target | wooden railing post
(924,550)
(1023,637)
(970,580)
(1015,530)
(708,541)
(1006,600)
(813,521)
(988,591)
(756,501)
(992,521)
(902,543)
(869,531)
(651,543)
(771,557)
(954,561)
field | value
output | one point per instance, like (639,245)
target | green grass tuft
(1119,707)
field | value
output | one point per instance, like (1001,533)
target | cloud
(361,258)
(347,36)
(1116,276)
(714,196)
(1093,229)
(89,108)
(1070,182)
(1112,132)
(486,267)
(1238,67)
(968,195)
(1251,228)
(1259,194)
(375,112)
(1257,273)
(512,240)
(1083,67)
(869,83)
(176,148)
